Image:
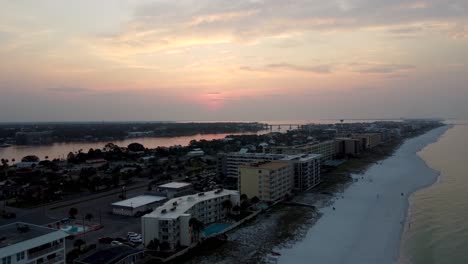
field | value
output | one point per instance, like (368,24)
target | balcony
(53,260)
(44,251)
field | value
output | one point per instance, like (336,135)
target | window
(6,260)
(19,256)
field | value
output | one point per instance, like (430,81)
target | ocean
(437,226)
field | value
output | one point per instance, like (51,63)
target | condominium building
(306,170)
(268,180)
(348,146)
(369,140)
(228,163)
(325,148)
(170,223)
(27,243)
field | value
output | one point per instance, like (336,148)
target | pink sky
(232,60)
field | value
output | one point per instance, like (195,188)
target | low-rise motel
(27,243)
(171,222)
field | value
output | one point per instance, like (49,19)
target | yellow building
(268,180)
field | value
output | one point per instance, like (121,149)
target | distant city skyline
(120,60)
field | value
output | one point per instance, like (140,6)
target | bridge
(279,126)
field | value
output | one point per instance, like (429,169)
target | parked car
(116,243)
(105,240)
(131,234)
(121,240)
(133,237)
(137,240)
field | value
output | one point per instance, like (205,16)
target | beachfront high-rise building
(348,146)
(27,243)
(228,163)
(325,148)
(369,140)
(306,170)
(267,180)
(170,223)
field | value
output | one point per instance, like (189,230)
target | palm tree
(227,205)
(153,244)
(243,197)
(197,226)
(89,217)
(236,209)
(73,212)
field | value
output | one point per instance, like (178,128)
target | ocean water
(437,224)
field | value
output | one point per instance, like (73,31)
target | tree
(89,217)
(243,197)
(78,243)
(136,147)
(196,226)
(70,157)
(30,158)
(164,246)
(254,200)
(73,212)
(153,244)
(236,209)
(227,205)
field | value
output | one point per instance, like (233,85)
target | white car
(136,240)
(129,234)
(134,236)
(116,243)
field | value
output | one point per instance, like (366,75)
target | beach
(364,224)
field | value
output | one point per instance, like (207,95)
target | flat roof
(302,157)
(139,201)
(175,185)
(184,203)
(19,236)
(272,165)
(108,255)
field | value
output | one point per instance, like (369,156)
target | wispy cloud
(384,68)
(319,69)
(68,89)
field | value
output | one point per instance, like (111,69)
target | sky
(114,60)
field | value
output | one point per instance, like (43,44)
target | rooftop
(139,201)
(302,157)
(19,236)
(174,185)
(269,165)
(184,203)
(108,255)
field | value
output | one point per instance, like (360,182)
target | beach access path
(364,223)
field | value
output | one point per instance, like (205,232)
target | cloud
(319,69)
(68,89)
(169,25)
(314,69)
(385,68)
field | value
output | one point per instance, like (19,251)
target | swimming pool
(214,228)
(74,229)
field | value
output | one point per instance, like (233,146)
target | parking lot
(113,225)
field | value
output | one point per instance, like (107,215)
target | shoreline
(355,239)
(403,258)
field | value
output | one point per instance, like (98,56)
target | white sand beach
(365,223)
